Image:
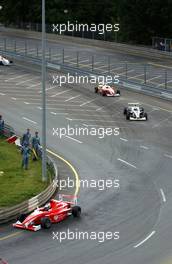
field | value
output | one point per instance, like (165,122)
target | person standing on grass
(36,144)
(25,156)
(1,125)
(26,138)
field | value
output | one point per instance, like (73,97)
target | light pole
(44,156)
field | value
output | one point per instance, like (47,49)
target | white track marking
(88,102)
(33,85)
(123,139)
(127,163)
(27,103)
(124,73)
(74,139)
(162,84)
(168,156)
(29,120)
(71,98)
(142,242)
(2,94)
(162,121)
(144,147)
(75,110)
(100,108)
(54,95)
(26,81)
(163,196)
(159,76)
(136,76)
(95,120)
(13,98)
(53,113)
(16,77)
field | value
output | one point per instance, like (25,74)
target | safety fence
(148,74)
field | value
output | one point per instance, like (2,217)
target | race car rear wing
(68,198)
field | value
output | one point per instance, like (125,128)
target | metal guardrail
(10,213)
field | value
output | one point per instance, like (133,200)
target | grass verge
(17,184)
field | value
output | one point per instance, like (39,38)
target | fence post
(126,71)
(166,81)
(49,54)
(77,59)
(109,68)
(92,63)
(145,72)
(5,44)
(37,52)
(63,57)
(25,48)
(15,46)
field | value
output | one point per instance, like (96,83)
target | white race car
(135,112)
(4,61)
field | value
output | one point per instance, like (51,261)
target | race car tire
(96,89)
(103,94)
(76,211)
(22,217)
(146,116)
(46,223)
(128,116)
(125,111)
(118,92)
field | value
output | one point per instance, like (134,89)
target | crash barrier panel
(128,84)
(10,213)
(8,131)
(144,51)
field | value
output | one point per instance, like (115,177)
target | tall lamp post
(44,159)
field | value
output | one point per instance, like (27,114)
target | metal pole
(92,63)
(166,82)
(145,71)
(126,71)
(77,59)
(44,162)
(109,68)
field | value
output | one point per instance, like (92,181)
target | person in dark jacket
(26,138)
(1,125)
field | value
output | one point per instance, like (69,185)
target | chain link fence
(148,74)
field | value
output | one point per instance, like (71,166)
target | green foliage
(140,20)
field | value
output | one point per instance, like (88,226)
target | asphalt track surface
(120,63)
(140,157)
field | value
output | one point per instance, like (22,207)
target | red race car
(107,90)
(53,212)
